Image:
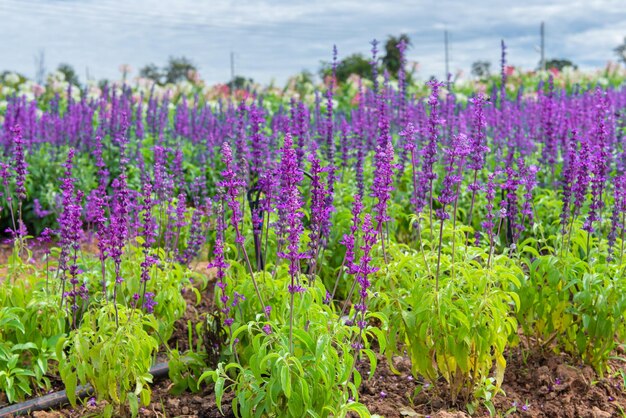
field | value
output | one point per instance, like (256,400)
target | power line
(306,30)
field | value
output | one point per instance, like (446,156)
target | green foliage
(240,82)
(352,64)
(167,282)
(151,72)
(559,64)
(391,60)
(178,69)
(317,377)
(481,69)
(31,322)
(115,360)
(69,72)
(458,333)
(576,304)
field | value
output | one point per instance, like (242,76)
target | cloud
(276,38)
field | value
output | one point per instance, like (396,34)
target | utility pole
(445,41)
(543,48)
(232,70)
(40,66)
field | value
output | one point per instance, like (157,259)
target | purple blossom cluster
(290,208)
(481,155)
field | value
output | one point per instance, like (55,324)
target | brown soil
(544,386)
(547,385)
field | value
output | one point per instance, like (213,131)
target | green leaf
(360,409)
(208,374)
(373,362)
(219,392)
(70,388)
(133,403)
(285,380)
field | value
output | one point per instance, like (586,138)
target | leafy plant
(576,305)
(115,360)
(459,332)
(317,377)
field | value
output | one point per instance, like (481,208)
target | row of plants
(338,234)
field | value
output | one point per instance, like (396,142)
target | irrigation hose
(59,398)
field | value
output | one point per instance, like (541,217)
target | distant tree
(178,69)
(481,69)
(304,77)
(352,64)
(239,83)
(151,72)
(5,73)
(559,64)
(621,51)
(302,82)
(70,74)
(391,60)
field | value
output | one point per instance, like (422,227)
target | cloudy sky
(274,39)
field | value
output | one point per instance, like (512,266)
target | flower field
(362,249)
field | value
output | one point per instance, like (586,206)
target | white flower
(12,78)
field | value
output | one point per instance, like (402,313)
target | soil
(540,385)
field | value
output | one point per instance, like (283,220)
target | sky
(272,40)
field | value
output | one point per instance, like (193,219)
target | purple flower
(569,172)
(70,225)
(290,209)
(489,224)
(455,158)
(148,224)
(409,134)
(330,140)
(39,211)
(148,302)
(349,240)
(382,184)
(320,212)
(600,163)
(219,262)
(478,137)
(374,65)
(364,269)
(581,184)
(618,213)
(196,238)
(429,152)
(21,167)
(258,142)
(232,186)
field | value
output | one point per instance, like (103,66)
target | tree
(391,60)
(239,83)
(352,64)
(151,72)
(559,64)
(178,69)
(70,74)
(621,51)
(481,69)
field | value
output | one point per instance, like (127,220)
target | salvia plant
(362,221)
